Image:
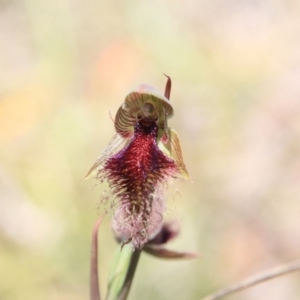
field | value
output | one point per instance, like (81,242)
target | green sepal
(172,149)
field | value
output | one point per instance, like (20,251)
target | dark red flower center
(136,171)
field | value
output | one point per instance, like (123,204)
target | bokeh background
(235,66)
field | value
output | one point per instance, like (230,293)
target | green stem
(122,273)
(130,274)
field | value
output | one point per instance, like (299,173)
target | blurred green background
(235,67)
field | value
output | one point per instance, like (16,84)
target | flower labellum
(138,162)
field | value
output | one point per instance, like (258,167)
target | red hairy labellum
(137,163)
(134,174)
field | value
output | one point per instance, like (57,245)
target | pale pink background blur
(235,67)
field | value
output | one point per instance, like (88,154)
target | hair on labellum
(138,162)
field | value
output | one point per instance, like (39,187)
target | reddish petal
(161,252)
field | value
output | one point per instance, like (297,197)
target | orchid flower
(138,162)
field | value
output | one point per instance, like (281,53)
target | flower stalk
(122,273)
(137,164)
